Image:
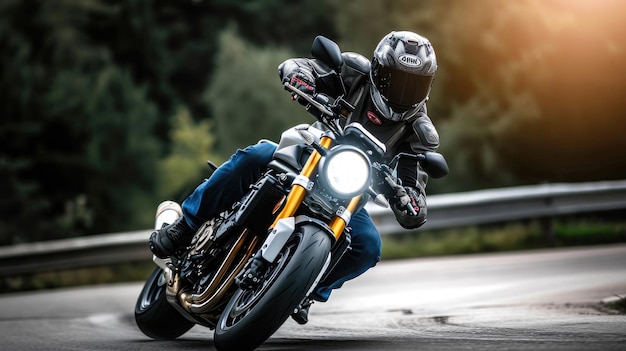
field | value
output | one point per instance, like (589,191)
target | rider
(389,94)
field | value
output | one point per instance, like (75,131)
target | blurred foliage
(247,99)
(109,107)
(179,172)
(527,91)
(563,232)
(98,275)
(549,75)
(103,113)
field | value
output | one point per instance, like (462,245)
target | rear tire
(252,316)
(154,316)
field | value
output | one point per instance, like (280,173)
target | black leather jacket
(414,135)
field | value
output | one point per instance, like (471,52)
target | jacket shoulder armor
(357,62)
(427,136)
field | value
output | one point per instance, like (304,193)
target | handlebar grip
(410,209)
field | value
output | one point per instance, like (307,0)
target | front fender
(278,237)
(300,220)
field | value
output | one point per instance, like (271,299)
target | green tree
(247,99)
(527,90)
(185,165)
(88,87)
(283,23)
(361,24)
(41,160)
(118,152)
(540,76)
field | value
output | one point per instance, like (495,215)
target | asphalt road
(538,300)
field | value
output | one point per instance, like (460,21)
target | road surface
(535,300)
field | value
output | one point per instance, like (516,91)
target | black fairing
(356,137)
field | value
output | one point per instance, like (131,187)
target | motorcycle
(247,270)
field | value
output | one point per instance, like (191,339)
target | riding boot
(165,241)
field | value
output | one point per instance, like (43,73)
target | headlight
(345,171)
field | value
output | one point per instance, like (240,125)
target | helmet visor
(402,90)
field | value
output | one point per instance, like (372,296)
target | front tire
(252,316)
(154,316)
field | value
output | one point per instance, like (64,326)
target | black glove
(404,198)
(302,79)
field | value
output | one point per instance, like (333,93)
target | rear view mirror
(327,51)
(435,165)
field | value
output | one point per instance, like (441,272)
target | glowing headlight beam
(347,172)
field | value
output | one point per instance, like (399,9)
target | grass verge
(505,237)
(123,272)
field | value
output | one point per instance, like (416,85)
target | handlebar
(324,104)
(319,101)
(394,183)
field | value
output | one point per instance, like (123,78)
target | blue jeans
(232,180)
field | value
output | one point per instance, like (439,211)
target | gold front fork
(297,193)
(338,224)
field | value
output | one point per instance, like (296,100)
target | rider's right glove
(302,79)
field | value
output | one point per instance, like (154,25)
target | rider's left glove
(405,199)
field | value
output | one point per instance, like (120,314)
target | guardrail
(444,211)
(511,204)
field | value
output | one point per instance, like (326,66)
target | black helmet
(403,68)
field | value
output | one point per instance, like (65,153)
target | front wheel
(252,316)
(154,316)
